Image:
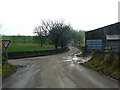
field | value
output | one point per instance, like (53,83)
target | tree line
(57,32)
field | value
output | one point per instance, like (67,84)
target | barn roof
(103,27)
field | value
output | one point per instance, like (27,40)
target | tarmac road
(56,71)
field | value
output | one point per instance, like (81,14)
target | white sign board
(113,37)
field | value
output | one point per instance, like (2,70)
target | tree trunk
(41,43)
(62,46)
(56,46)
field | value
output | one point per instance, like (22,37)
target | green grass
(0,72)
(94,66)
(80,44)
(20,39)
(0,67)
(16,47)
(80,55)
(7,68)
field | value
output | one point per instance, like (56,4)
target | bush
(4,60)
(108,60)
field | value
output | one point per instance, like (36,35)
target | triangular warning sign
(5,43)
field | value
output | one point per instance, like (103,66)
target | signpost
(5,44)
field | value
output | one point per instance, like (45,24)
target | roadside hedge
(25,54)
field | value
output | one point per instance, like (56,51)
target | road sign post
(6,54)
(5,44)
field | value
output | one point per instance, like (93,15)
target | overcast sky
(21,16)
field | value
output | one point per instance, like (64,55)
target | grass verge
(80,55)
(106,63)
(7,69)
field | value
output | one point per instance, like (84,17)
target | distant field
(15,47)
(25,43)
(21,39)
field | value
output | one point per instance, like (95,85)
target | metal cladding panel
(114,44)
(100,34)
(89,35)
(94,44)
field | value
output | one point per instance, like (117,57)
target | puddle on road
(67,59)
(74,61)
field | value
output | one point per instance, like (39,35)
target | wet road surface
(56,71)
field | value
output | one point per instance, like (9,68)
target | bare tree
(39,32)
(66,37)
(56,32)
(54,29)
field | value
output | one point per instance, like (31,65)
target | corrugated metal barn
(104,37)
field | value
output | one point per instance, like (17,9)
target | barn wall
(98,37)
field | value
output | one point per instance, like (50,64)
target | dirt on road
(56,71)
